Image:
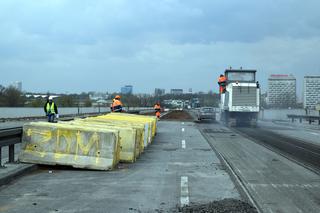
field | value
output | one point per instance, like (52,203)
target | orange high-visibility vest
(117,105)
(222,83)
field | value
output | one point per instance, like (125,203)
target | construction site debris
(178,115)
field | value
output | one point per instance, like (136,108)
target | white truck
(240,103)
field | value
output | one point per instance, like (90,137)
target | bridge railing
(309,118)
(8,138)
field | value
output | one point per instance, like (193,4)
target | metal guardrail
(310,118)
(9,137)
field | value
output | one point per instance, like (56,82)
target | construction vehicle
(240,101)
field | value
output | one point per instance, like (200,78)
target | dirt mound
(178,115)
(222,206)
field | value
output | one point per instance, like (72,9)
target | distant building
(17,85)
(127,89)
(190,90)
(176,91)
(311,91)
(159,92)
(282,90)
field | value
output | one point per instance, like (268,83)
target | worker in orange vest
(157,109)
(222,83)
(117,104)
(111,105)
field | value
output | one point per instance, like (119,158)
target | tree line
(12,97)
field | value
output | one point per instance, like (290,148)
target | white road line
(183,144)
(182,129)
(184,197)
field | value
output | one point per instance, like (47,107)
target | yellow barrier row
(94,143)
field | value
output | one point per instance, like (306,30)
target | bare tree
(13,97)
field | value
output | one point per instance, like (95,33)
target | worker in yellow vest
(51,110)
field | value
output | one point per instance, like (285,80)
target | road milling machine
(240,100)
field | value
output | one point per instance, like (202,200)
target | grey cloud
(188,42)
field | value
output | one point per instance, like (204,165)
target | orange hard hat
(117,97)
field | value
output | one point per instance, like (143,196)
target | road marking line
(182,123)
(182,129)
(184,197)
(183,144)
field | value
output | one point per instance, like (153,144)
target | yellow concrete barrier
(128,137)
(72,145)
(146,120)
(151,119)
(142,129)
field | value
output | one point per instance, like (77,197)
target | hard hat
(117,97)
(50,98)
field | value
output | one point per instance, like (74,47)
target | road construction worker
(111,105)
(157,109)
(117,104)
(51,109)
(222,83)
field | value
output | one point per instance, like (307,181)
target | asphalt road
(304,132)
(297,148)
(276,183)
(178,168)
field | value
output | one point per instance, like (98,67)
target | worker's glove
(57,116)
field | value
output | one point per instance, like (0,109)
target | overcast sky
(101,45)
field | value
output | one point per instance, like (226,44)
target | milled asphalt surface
(274,182)
(152,184)
(303,132)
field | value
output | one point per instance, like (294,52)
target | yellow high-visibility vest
(50,109)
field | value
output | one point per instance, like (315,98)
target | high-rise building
(17,85)
(127,89)
(159,92)
(176,91)
(311,91)
(282,90)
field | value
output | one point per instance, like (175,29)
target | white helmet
(50,98)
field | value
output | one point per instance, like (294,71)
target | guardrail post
(11,153)
(300,120)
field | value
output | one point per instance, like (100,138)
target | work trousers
(51,117)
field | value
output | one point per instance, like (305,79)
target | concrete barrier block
(142,128)
(134,119)
(151,119)
(128,138)
(71,145)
